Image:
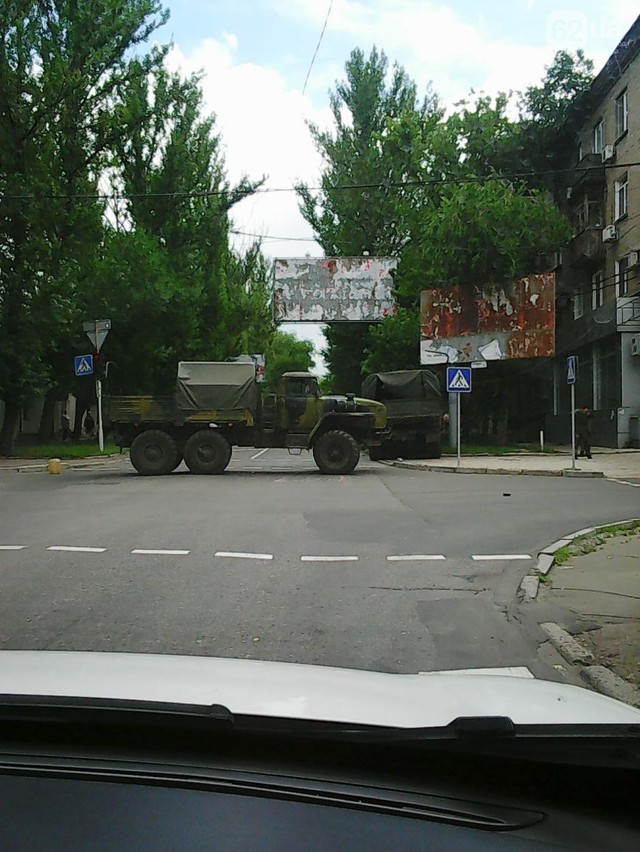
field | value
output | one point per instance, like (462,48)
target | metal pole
(573,427)
(453,419)
(458,425)
(100,432)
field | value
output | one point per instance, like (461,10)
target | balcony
(586,248)
(589,172)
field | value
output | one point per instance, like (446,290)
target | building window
(621,189)
(578,304)
(622,276)
(597,290)
(598,137)
(622,114)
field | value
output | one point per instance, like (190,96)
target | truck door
(297,411)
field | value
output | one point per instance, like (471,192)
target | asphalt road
(275,561)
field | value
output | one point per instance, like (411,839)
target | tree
(286,353)
(375,147)
(62,64)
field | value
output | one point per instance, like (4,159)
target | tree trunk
(46,430)
(9,427)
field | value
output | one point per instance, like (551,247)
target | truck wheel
(153,453)
(336,452)
(432,450)
(207,451)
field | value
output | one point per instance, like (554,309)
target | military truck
(415,407)
(218,405)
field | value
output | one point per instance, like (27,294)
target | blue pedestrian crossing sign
(458,379)
(572,369)
(83,365)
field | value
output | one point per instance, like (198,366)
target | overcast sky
(255,55)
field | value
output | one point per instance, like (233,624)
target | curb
(69,464)
(598,677)
(500,471)
(546,557)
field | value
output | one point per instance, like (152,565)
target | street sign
(572,369)
(458,379)
(97,331)
(83,365)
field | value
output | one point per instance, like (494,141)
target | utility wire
(313,58)
(385,185)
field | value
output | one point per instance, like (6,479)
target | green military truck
(218,405)
(415,407)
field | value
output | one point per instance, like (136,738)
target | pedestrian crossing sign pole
(572,377)
(459,381)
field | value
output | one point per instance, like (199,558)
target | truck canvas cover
(403,385)
(216,385)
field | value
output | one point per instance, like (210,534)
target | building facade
(598,273)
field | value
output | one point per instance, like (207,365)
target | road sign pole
(458,426)
(99,398)
(573,426)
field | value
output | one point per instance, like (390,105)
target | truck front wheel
(207,451)
(153,453)
(336,452)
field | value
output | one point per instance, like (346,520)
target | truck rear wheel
(207,451)
(336,452)
(153,453)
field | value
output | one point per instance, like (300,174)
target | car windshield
(320,345)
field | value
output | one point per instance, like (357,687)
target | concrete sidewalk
(613,464)
(595,598)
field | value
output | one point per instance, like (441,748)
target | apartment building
(598,273)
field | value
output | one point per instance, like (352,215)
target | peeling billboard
(334,289)
(464,324)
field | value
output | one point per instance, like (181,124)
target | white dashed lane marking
(329,558)
(143,552)
(12,546)
(417,557)
(231,554)
(499,557)
(74,549)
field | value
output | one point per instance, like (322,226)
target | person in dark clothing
(584,417)
(89,424)
(65,424)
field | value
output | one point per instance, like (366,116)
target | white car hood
(308,692)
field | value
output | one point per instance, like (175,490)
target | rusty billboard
(333,289)
(489,323)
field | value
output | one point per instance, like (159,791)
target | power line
(270,237)
(313,58)
(386,185)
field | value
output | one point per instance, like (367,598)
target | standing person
(66,425)
(89,424)
(584,416)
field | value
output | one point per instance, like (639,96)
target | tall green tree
(376,145)
(62,64)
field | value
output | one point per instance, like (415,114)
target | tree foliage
(286,353)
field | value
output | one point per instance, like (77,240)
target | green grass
(590,542)
(62,451)
(492,450)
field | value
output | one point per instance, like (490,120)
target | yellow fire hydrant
(54,466)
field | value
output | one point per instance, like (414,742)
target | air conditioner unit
(633,258)
(608,153)
(635,344)
(569,192)
(609,234)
